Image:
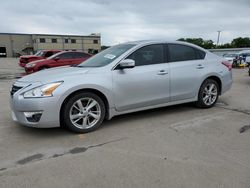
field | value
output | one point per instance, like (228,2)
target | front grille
(14,89)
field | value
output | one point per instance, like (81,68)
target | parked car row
(43,54)
(238,59)
(51,58)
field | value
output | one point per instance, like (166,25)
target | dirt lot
(179,146)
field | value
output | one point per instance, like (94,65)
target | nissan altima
(122,79)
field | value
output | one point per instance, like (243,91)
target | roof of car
(51,50)
(67,51)
(145,42)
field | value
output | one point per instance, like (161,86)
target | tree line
(209,44)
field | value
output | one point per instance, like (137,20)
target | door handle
(162,72)
(200,66)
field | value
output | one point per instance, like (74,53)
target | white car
(231,57)
(122,79)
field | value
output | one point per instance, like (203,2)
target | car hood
(53,74)
(37,61)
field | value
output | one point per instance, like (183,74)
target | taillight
(228,65)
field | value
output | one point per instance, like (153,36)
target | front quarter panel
(101,82)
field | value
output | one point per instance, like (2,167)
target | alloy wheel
(85,113)
(210,94)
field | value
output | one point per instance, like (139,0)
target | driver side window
(67,55)
(148,55)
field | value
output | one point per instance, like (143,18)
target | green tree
(241,42)
(208,44)
(227,45)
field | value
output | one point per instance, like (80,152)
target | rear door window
(67,55)
(80,55)
(179,52)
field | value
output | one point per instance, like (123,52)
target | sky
(128,20)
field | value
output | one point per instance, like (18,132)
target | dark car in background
(59,59)
(43,54)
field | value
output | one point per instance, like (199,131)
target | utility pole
(218,39)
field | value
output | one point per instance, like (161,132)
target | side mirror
(57,58)
(127,64)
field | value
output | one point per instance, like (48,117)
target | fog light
(33,116)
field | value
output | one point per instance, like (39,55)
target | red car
(60,59)
(43,54)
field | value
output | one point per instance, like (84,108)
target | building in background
(15,44)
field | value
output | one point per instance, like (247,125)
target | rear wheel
(83,112)
(208,94)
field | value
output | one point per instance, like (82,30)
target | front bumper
(49,108)
(22,64)
(29,70)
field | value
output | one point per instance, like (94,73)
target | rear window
(179,52)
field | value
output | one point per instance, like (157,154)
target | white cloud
(119,21)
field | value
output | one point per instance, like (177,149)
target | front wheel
(208,94)
(83,112)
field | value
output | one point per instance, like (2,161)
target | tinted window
(179,52)
(67,55)
(80,55)
(54,52)
(95,41)
(39,53)
(54,40)
(42,40)
(152,54)
(66,40)
(48,54)
(73,40)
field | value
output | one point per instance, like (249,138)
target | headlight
(29,65)
(42,91)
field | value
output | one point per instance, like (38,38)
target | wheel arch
(215,78)
(95,91)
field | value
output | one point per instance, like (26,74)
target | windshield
(39,53)
(107,56)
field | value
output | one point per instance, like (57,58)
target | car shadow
(157,112)
(116,121)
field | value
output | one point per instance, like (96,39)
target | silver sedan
(124,78)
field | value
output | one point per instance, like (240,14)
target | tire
(78,115)
(207,98)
